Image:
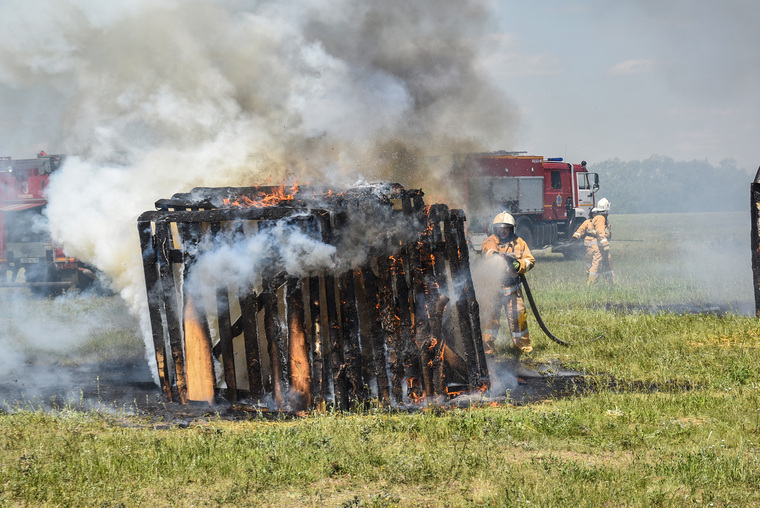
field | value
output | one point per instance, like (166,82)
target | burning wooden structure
(399,323)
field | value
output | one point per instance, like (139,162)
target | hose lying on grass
(541,321)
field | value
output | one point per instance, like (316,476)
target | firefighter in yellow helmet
(505,244)
(596,234)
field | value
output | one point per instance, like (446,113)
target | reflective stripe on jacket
(513,245)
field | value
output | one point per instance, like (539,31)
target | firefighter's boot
(522,344)
(489,344)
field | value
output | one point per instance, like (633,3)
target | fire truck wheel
(524,229)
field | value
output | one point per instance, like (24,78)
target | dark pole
(755,212)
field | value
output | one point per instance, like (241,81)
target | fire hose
(549,334)
(538,316)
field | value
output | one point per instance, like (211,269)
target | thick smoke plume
(155,97)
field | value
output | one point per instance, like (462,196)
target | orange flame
(274,197)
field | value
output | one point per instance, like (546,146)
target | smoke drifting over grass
(153,98)
(50,346)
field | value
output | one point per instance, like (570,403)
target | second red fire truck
(28,256)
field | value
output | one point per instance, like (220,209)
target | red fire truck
(26,248)
(548,197)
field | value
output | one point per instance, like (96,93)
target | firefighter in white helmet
(505,244)
(596,234)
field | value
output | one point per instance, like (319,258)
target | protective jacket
(510,299)
(595,233)
(512,245)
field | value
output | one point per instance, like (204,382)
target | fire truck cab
(548,197)
(26,248)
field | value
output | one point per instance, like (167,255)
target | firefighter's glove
(512,262)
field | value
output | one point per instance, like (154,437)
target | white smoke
(280,248)
(156,97)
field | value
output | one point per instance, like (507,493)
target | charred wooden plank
(319,380)
(351,340)
(218,215)
(197,336)
(465,328)
(420,266)
(380,363)
(163,239)
(225,339)
(410,352)
(276,350)
(437,280)
(298,347)
(755,219)
(390,324)
(153,286)
(336,344)
(472,302)
(250,328)
(224,323)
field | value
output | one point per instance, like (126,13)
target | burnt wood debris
(376,326)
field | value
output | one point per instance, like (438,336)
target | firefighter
(603,222)
(595,232)
(512,249)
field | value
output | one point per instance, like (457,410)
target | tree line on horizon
(660,184)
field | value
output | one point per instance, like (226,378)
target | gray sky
(598,79)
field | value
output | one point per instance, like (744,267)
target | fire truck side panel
(531,199)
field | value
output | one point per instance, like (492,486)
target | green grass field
(669,414)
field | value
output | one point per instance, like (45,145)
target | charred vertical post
(152,283)
(424,305)
(249,315)
(225,339)
(224,323)
(165,273)
(198,364)
(439,215)
(453,248)
(351,340)
(472,302)
(390,325)
(376,334)
(334,370)
(318,380)
(273,333)
(439,288)
(298,347)
(410,353)
(755,212)
(337,366)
